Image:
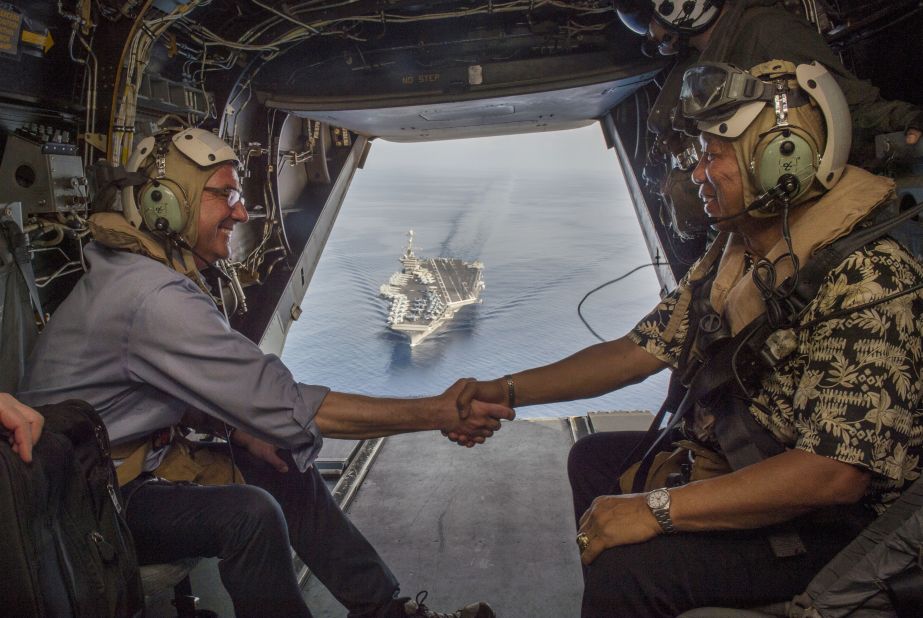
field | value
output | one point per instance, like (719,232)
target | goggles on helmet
(723,99)
(711,90)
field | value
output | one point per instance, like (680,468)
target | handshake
(479,408)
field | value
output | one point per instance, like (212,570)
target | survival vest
(712,362)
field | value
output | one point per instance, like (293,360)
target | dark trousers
(672,574)
(250,528)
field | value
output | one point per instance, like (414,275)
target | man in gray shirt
(142,340)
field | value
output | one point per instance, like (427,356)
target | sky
(551,151)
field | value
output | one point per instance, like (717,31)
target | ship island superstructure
(427,292)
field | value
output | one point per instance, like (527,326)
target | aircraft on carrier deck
(427,292)
(302,90)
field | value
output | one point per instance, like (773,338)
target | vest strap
(712,370)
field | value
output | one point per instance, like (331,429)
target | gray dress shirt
(140,342)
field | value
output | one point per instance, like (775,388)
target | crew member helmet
(770,112)
(178,164)
(684,17)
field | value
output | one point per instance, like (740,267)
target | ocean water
(545,241)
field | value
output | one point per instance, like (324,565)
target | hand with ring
(612,521)
(583,541)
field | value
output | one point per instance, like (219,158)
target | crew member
(745,33)
(837,408)
(142,340)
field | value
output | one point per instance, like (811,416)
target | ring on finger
(583,541)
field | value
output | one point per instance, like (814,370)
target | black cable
(796,263)
(765,277)
(638,135)
(844,40)
(746,397)
(172,238)
(814,322)
(737,378)
(227,436)
(599,287)
(862,307)
(753,402)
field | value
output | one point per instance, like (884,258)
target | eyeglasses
(233,196)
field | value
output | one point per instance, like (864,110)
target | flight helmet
(178,165)
(683,17)
(789,125)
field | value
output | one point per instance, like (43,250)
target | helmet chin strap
(162,226)
(649,47)
(786,187)
(238,296)
(672,44)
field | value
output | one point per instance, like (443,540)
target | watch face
(658,499)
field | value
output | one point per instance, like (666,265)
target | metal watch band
(658,501)
(663,518)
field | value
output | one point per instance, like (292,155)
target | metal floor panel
(335,456)
(493,523)
(620,421)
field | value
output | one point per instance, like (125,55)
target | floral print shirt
(851,391)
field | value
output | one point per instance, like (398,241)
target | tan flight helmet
(179,165)
(789,126)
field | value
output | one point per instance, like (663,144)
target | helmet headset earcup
(176,167)
(784,157)
(163,205)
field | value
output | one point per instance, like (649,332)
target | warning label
(10,25)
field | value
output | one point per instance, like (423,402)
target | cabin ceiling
(474,114)
(411,70)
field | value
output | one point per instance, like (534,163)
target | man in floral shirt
(846,393)
(843,405)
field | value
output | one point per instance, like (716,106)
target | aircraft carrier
(427,292)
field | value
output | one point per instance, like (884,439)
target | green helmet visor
(714,90)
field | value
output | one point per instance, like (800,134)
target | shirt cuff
(839,449)
(652,346)
(309,401)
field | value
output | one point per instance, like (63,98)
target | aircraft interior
(302,90)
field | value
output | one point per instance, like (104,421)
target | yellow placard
(10,25)
(39,39)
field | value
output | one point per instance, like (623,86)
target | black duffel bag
(66,549)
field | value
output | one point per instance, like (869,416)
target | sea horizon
(544,242)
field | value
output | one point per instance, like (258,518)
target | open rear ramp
(491,523)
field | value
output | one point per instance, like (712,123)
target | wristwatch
(658,501)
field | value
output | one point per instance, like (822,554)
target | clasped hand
(478,417)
